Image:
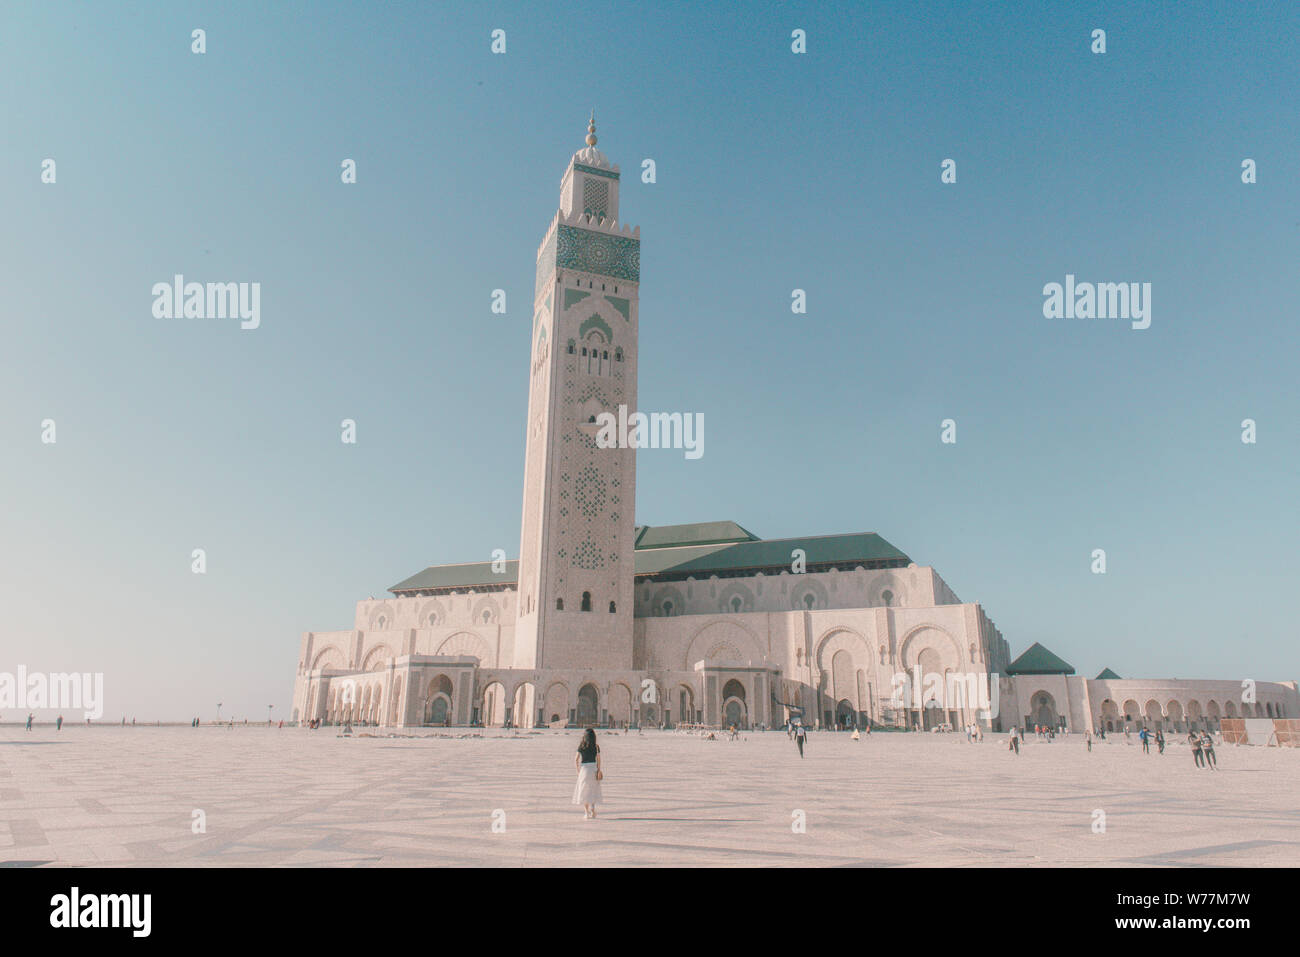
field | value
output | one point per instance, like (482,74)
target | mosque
(604,622)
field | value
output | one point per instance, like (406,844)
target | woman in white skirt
(587,789)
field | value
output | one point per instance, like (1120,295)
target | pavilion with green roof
(1038,660)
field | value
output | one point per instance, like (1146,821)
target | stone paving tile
(287,797)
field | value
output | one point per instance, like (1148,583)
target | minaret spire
(591,129)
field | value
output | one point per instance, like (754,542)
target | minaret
(575,553)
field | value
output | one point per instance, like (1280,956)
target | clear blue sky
(775,171)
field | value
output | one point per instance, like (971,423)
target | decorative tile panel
(599,253)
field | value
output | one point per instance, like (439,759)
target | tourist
(29,720)
(1087,737)
(1014,743)
(586,790)
(800,737)
(1207,746)
(58,723)
(1198,756)
(1144,737)
(1160,740)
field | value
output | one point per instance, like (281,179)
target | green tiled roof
(700,533)
(700,550)
(1037,660)
(459,576)
(701,560)
(1107,674)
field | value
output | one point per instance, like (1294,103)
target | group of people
(974,732)
(1201,743)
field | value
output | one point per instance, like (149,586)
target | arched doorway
(685,705)
(492,713)
(1154,715)
(1174,710)
(1042,710)
(525,709)
(588,705)
(556,706)
(437,702)
(846,717)
(734,710)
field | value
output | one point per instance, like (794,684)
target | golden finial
(591,129)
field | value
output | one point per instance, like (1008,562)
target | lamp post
(218,712)
(268,714)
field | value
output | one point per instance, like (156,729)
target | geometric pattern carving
(616,256)
(464,643)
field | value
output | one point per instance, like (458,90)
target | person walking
(800,737)
(29,720)
(1145,737)
(586,790)
(1013,743)
(1087,737)
(58,723)
(1207,748)
(1198,755)
(1160,740)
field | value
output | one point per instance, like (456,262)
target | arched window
(382,621)
(887,597)
(618,355)
(611,608)
(809,601)
(584,350)
(571,347)
(586,601)
(668,609)
(735,603)
(559,604)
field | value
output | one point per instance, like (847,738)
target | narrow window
(586,601)
(559,604)
(611,608)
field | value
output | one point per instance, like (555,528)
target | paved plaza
(127,796)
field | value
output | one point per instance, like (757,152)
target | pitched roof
(700,550)
(699,533)
(1037,660)
(1107,674)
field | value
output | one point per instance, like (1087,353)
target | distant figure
(586,790)
(1087,737)
(1198,755)
(58,723)
(1145,737)
(1160,740)
(1207,746)
(1014,743)
(856,736)
(800,737)
(29,720)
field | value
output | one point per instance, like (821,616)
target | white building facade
(601,622)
